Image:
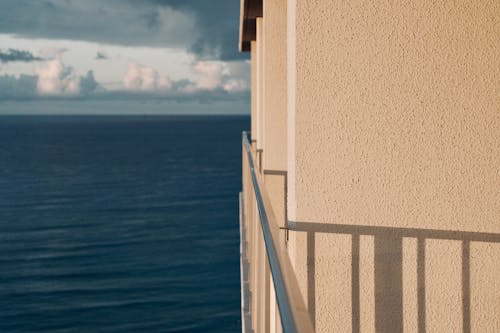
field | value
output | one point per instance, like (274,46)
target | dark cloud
(202,97)
(23,87)
(208,28)
(218,22)
(88,84)
(124,22)
(101,56)
(13,55)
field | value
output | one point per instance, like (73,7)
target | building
(371,178)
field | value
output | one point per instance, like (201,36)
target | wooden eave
(249,11)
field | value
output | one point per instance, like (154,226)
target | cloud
(101,56)
(53,52)
(54,79)
(88,84)
(218,75)
(57,79)
(212,81)
(218,24)
(235,85)
(209,75)
(237,74)
(22,87)
(123,22)
(12,55)
(145,78)
(206,28)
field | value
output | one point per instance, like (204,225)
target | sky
(122,56)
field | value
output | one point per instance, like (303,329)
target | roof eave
(249,11)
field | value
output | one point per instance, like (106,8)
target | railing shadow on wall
(390,240)
(386,240)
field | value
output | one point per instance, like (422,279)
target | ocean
(120,224)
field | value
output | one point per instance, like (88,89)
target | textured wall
(260,86)
(397,117)
(485,287)
(253,56)
(274,123)
(394,121)
(274,85)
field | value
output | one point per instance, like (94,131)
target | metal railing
(293,313)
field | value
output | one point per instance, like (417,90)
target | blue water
(119,224)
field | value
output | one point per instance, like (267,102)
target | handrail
(293,313)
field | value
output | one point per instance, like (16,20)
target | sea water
(120,224)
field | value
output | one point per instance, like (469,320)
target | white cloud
(235,86)
(209,75)
(212,75)
(52,79)
(145,78)
(237,74)
(55,78)
(52,52)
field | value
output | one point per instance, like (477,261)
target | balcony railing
(262,251)
(265,253)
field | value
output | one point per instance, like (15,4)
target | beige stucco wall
(254,90)
(274,123)
(260,86)
(274,84)
(485,287)
(397,116)
(394,121)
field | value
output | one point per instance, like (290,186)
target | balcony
(272,300)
